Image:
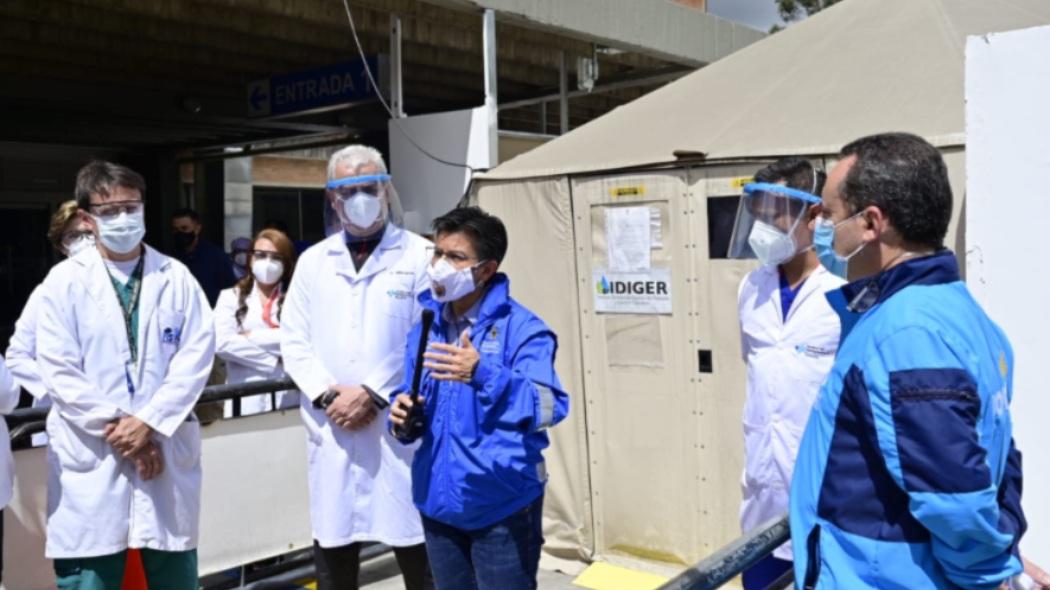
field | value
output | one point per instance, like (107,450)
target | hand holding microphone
(407,413)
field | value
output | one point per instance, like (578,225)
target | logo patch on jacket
(399,294)
(491,344)
(171,335)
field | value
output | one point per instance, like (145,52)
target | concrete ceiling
(173,73)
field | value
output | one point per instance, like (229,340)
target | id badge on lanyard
(128,311)
(130,369)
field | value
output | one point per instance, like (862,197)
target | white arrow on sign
(259,98)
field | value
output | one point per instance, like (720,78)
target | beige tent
(648,465)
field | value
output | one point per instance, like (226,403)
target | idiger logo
(603,286)
(618,287)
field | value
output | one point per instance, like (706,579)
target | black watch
(326,399)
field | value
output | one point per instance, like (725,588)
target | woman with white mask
(247,324)
(71,232)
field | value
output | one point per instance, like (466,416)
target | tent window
(721,215)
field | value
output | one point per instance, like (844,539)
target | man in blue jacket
(489,393)
(907,477)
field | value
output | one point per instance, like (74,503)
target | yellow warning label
(604,576)
(739,182)
(628,191)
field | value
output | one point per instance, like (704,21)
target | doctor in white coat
(125,344)
(789,336)
(9,392)
(247,323)
(350,307)
(69,233)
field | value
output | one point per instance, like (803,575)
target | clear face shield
(767,221)
(361,205)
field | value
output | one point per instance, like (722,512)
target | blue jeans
(502,556)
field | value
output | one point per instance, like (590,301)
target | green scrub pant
(165,570)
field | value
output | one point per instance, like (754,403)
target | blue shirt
(907,476)
(481,459)
(787,294)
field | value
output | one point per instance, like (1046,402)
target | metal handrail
(731,560)
(26,421)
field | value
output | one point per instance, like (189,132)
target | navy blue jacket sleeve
(927,409)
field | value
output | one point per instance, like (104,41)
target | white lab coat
(340,326)
(9,393)
(97,504)
(256,357)
(21,358)
(787,362)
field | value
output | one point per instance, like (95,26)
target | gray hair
(356,156)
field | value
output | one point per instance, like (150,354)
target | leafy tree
(792,10)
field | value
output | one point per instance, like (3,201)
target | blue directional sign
(297,92)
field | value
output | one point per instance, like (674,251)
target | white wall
(428,188)
(1007,215)
(254,499)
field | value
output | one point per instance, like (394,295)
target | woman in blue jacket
(489,393)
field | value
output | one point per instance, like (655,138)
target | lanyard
(128,309)
(268,308)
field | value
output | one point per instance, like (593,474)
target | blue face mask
(824,244)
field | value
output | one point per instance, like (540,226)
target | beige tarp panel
(859,67)
(543,278)
(721,453)
(641,410)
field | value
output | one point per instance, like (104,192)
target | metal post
(563,90)
(488,39)
(543,117)
(396,89)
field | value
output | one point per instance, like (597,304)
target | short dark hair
(905,177)
(485,231)
(186,212)
(99,177)
(796,173)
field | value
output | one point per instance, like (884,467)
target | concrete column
(488,34)
(237,200)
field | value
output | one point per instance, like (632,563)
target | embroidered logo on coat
(813,351)
(171,335)
(399,294)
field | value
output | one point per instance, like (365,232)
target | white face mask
(80,244)
(267,272)
(362,209)
(771,245)
(453,284)
(121,233)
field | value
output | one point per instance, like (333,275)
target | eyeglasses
(457,257)
(71,236)
(266,255)
(345,192)
(116,208)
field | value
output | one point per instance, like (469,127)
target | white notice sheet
(627,238)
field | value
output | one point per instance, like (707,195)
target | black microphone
(415,424)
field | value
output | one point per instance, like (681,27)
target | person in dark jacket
(212,268)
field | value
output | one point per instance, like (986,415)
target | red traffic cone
(134,574)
